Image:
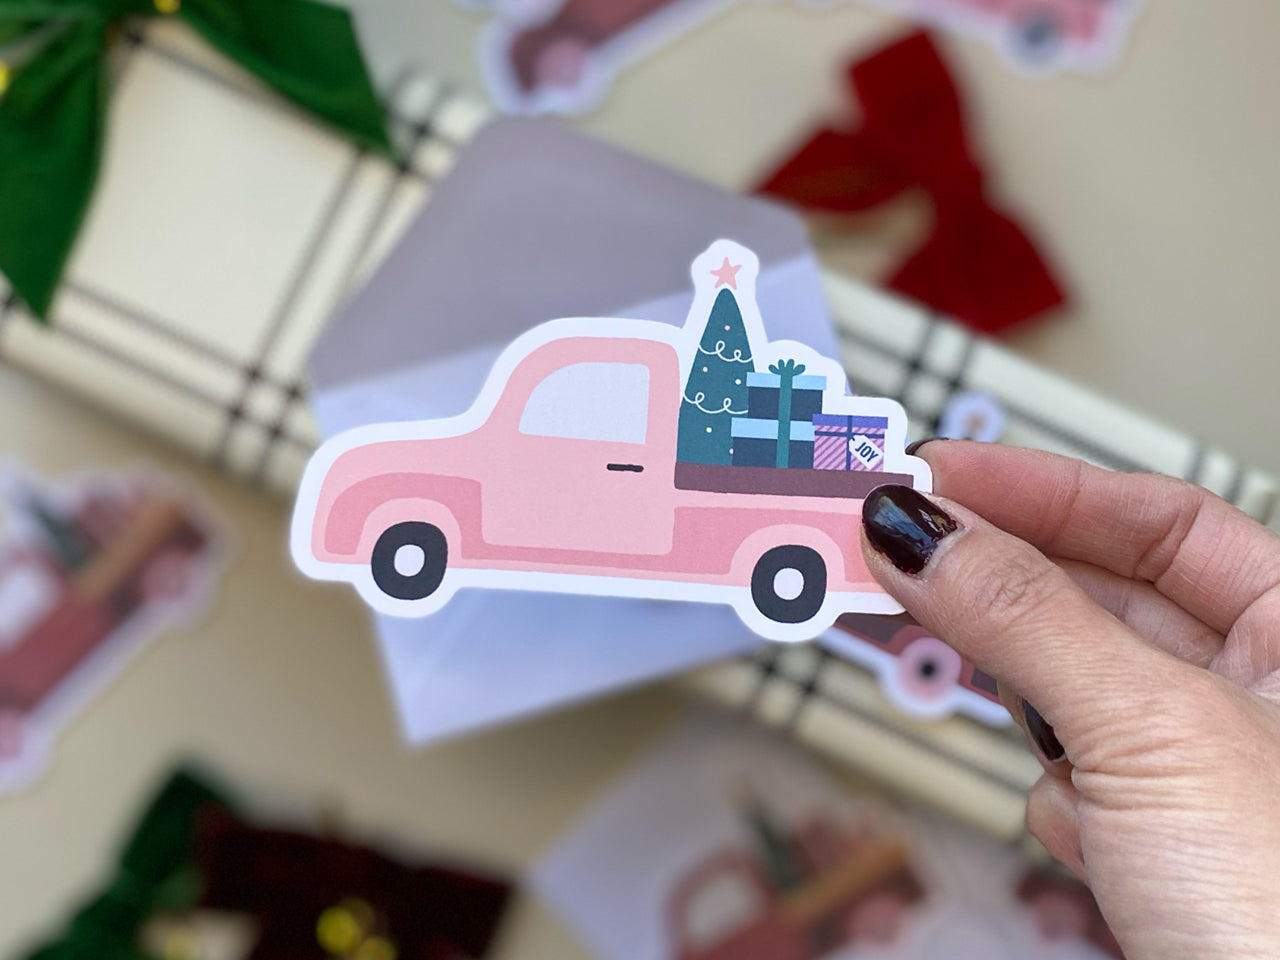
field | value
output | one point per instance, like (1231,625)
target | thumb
(1005,606)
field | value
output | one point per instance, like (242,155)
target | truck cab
(602,412)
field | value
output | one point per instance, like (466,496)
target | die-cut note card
(560,56)
(624,458)
(92,569)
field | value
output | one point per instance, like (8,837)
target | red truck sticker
(805,895)
(922,675)
(559,56)
(90,571)
(623,458)
(725,842)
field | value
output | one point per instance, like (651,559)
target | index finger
(1198,550)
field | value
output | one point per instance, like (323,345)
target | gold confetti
(5,76)
(182,944)
(168,7)
(338,931)
(364,914)
(376,948)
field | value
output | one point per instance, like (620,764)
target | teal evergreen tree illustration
(775,843)
(716,390)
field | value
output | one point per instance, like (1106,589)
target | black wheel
(1037,36)
(416,573)
(789,584)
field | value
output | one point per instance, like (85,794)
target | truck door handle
(625,467)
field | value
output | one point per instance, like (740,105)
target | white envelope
(536,222)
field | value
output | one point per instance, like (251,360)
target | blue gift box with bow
(755,443)
(764,393)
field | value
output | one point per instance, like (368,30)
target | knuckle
(1015,587)
(1149,729)
(1173,508)
(1186,495)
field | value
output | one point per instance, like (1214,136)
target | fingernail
(912,448)
(904,526)
(1042,734)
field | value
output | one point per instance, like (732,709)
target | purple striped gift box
(848,443)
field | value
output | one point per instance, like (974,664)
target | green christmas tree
(716,390)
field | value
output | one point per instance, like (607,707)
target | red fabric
(978,265)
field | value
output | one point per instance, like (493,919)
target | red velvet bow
(288,882)
(978,265)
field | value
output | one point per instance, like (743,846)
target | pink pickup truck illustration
(861,893)
(1033,31)
(118,560)
(584,467)
(544,55)
(921,674)
(1065,911)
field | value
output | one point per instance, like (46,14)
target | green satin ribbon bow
(53,110)
(157,873)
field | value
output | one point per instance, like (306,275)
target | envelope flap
(537,221)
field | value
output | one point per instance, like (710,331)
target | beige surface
(1154,185)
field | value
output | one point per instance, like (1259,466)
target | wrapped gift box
(848,443)
(755,443)
(211,261)
(763,394)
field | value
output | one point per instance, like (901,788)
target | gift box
(763,395)
(210,261)
(755,443)
(848,443)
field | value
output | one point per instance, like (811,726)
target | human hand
(1141,617)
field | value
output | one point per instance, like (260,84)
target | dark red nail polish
(1042,734)
(904,526)
(913,448)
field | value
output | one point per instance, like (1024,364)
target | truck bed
(788,482)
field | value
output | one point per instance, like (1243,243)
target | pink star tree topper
(726,274)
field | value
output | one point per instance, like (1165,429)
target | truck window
(721,908)
(27,594)
(591,401)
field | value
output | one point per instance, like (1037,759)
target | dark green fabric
(156,874)
(12,31)
(50,140)
(52,115)
(307,51)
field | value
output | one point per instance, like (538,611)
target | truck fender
(388,514)
(754,547)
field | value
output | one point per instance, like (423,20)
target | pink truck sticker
(607,457)
(560,56)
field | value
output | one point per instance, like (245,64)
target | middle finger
(1148,612)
